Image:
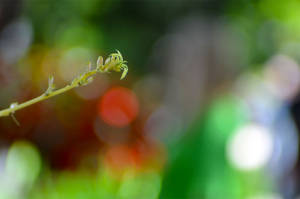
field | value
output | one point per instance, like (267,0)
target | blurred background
(210,108)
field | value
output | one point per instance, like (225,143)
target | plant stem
(114,62)
(44,96)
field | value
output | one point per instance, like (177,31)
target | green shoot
(114,62)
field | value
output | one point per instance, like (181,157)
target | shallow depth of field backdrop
(210,108)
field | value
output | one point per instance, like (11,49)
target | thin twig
(114,62)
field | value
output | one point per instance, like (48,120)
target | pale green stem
(115,62)
(11,110)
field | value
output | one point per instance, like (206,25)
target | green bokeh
(23,163)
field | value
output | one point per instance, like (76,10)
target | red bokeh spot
(118,107)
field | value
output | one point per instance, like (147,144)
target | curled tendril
(114,62)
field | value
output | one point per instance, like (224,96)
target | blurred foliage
(73,152)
